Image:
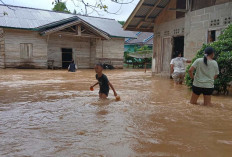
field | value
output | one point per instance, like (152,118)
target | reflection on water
(53,113)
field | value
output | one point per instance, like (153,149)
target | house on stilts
(36,38)
(179,25)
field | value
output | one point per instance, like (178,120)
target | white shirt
(178,63)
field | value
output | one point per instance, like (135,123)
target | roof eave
(122,37)
(56,23)
(139,26)
(29,29)
(80,21)
(132,14)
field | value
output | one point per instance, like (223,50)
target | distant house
(36,38)
(143,38)
(179,25)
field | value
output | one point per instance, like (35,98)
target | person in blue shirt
(72,67)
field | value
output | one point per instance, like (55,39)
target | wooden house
(36,38)
(179,25)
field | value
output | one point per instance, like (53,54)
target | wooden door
(167,55)
(66,57)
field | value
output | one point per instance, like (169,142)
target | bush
(223,56)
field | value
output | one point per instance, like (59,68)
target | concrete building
(179,25)
(36,38)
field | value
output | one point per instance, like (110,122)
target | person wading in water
(72,67)
(203,81)
(103,83)
(178,68)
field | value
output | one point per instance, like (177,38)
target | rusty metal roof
(37,19)
(142,18)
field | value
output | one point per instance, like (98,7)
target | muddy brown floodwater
(53,113)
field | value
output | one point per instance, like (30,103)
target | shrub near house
(223,56)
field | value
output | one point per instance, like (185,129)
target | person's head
(209,52)
(72,61)
(98,68)
(178,54)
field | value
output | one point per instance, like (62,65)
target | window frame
(29,50)
(195,4)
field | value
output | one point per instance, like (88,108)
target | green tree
(87,7)
(223,56)
(60,6)
(121,22)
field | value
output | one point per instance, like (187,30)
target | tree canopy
(87,7)
(121,22)
(60,6)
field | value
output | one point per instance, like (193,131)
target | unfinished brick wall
(161,32)
(199,22)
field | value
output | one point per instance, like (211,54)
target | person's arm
(68,67)
(191,70)
(112,87)
(172,68)
(216,71)
(188,61)
(94,85)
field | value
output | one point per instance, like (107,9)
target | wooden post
(47,38)
(4,60)
(78,30)
(145,66)
(102,48)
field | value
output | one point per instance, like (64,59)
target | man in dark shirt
(103,82)
(72,67)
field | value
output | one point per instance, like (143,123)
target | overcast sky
(123,14)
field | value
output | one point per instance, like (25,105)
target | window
(25,51)
(213,35)
(180,4)
(199,4)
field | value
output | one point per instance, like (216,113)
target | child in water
(103,83)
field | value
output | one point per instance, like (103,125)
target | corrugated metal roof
(142,38)
(143,11)
(35,19)
(109,26)
(163,3)
(152,2)
(136,21)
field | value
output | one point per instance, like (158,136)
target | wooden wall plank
(2,49)
(113,48)
(80,48)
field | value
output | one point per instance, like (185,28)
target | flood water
(53,113)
